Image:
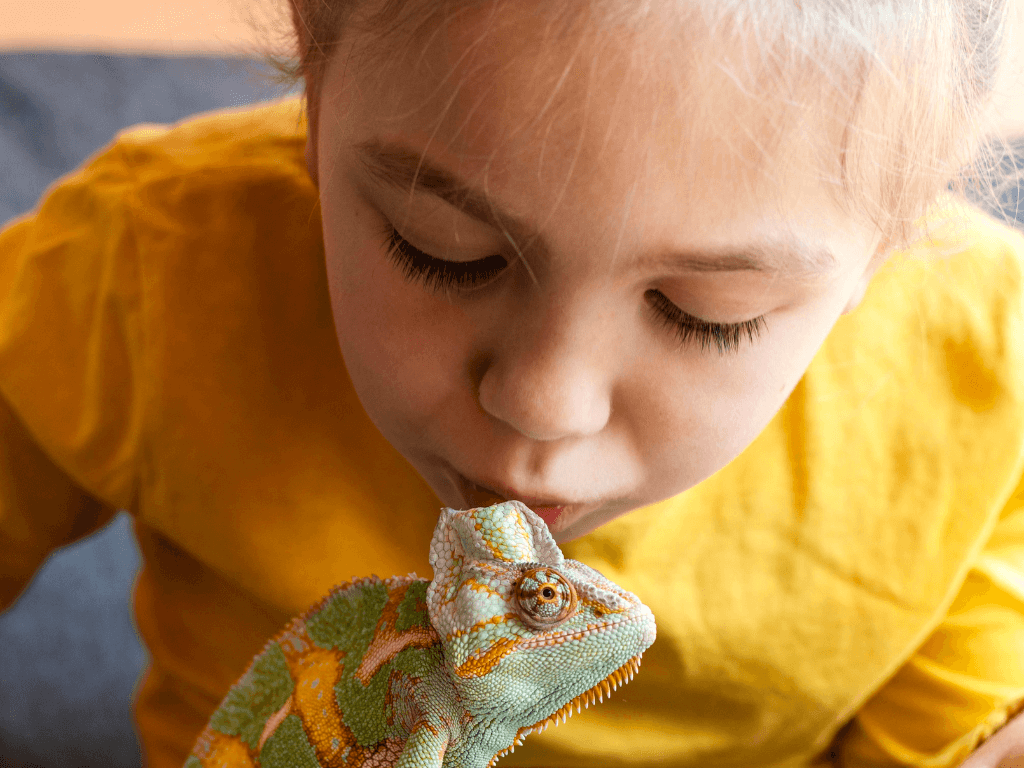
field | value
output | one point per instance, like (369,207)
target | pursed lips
(477,495)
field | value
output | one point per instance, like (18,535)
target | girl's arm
(41,508)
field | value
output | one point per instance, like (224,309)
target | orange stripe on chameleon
(479,586)
(600,609)
(216,750)
(315,672)
(480,664)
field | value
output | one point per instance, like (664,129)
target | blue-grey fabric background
(69,655)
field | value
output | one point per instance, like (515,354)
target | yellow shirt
(167,347)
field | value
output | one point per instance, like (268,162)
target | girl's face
(555,281)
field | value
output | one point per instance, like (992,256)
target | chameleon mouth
(620,676)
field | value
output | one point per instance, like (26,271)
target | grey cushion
(1010,187)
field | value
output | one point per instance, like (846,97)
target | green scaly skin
(507,639)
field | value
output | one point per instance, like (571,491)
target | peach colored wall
(220,27)
(172,27)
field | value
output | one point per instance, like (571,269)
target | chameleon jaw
(620,676)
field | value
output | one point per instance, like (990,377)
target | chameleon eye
(544,598)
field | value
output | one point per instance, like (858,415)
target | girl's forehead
(589,120)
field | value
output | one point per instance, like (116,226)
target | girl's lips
(550,515)
(474,495)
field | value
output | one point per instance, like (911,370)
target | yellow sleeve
(966,680)
(41,508)
(70,366)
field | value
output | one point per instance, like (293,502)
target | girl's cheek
(402,346)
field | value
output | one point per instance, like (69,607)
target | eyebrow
(407,170)
(401,167)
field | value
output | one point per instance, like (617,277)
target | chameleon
(507,639)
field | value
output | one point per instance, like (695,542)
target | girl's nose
(547,386)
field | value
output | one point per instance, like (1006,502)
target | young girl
(660,269)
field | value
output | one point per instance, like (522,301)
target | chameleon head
(527,634)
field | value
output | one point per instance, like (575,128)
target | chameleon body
(507,639)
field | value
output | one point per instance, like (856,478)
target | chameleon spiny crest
(507,639)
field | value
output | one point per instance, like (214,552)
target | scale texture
(506,640)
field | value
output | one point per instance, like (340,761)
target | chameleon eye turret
(506,640)
(544,598)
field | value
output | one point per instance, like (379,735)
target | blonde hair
(908,80)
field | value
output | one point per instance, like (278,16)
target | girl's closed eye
(441,275)
(726,337)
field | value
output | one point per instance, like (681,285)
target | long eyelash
(725,337)
(438,274)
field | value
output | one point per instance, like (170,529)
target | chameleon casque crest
(507,639)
